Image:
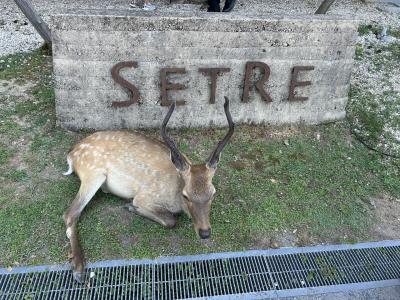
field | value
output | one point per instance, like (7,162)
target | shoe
(212,10)
(213,6)
(149,7)
(133,5)
(229,5)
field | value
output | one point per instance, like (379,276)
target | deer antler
(176,157)
(214,157)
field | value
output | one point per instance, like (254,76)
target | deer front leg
(87,190)
(153,212)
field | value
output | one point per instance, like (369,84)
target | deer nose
(205,233)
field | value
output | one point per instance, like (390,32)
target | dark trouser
(213,5)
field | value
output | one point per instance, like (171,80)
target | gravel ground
(17,35)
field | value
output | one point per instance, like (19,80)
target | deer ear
(180,165)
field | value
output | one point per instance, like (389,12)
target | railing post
(41,27)
(324,6)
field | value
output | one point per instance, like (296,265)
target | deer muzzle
(205,233)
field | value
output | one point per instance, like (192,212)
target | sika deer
(159,179)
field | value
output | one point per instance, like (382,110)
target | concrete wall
(88,43)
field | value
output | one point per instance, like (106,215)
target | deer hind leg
(87,190)
(153,212)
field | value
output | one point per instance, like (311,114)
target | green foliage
(5,154)
(24,66)
(373,113)
(359,52)
(365,29)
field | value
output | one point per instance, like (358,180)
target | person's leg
(229,5)
(148,6)
(213,6)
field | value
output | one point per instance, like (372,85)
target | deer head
(198,190)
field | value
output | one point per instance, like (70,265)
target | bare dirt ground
(387,213)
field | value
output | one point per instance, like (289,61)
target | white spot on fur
(83,146)
(69,232)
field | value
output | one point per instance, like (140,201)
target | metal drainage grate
(251,274)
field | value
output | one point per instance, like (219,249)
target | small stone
(274,181)
(274,245)
(286,142)
(372,202)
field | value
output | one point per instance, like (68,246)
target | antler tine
(214,158)
(176,156)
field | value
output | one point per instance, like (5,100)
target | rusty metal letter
(294,83)
(134,94)
(213,73)
(259,84)
(166,85)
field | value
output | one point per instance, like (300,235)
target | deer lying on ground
(159,180)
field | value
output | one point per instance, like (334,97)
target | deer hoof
(79,276)
(130,207)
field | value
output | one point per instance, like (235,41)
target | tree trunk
(37,22)
(324,6)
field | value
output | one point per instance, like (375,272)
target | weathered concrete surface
(383,293)
(87,44)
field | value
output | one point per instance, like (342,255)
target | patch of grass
(11,129)
(365,29)
(359,52)
(5,154)
(386,57)
(16,175)
(373,113)
(394,32)
(24,65)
